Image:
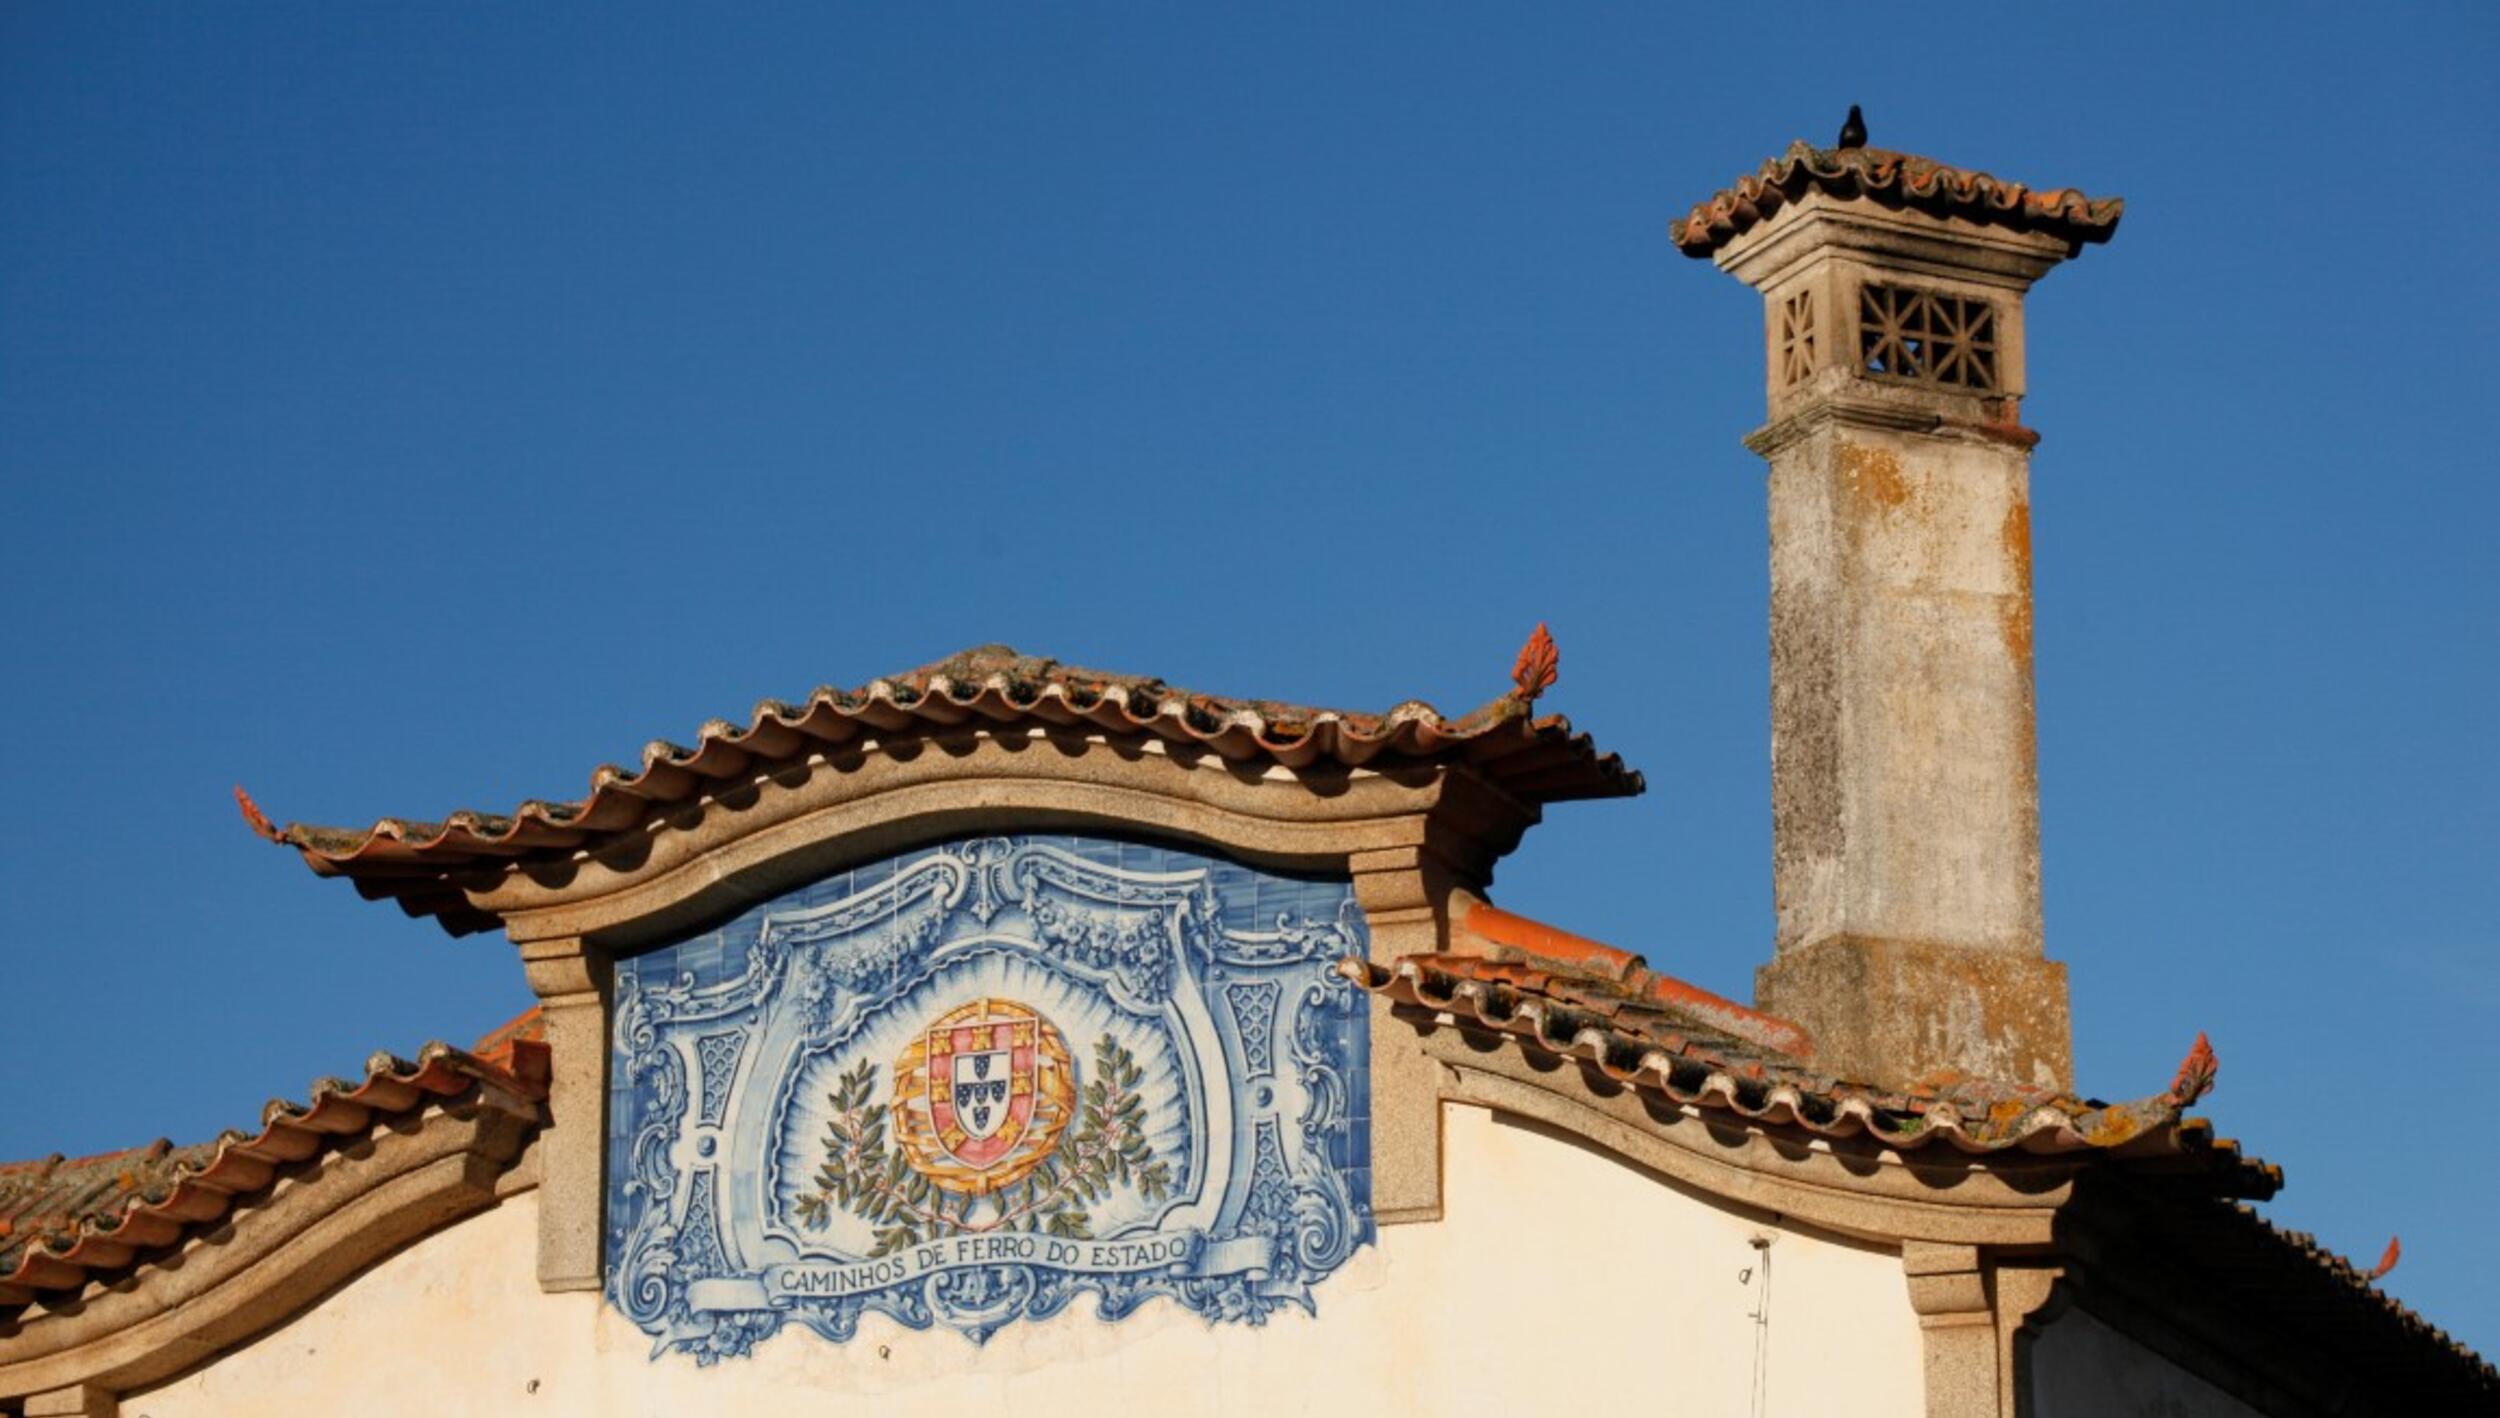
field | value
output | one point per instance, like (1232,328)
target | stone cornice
(1946,247)
(1847,411)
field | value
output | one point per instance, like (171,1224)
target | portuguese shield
(982,1095)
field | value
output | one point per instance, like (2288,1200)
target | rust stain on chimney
(2015,617)
(1875,476)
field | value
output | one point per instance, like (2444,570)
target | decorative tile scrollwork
(1796,337)
(1905,333)
(967,1085)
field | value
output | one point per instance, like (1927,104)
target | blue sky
(404,409)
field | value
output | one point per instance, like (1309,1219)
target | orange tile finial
(254,818)
(2196,1073)
(2387,1260)
(1538,666)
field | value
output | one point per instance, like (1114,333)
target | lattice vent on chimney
(1927,336)
(1797,337)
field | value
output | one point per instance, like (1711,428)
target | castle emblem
(981,1096)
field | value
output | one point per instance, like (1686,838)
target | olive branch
(863,1175)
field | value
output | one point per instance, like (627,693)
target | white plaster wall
(2081,1368)
(1559,1281)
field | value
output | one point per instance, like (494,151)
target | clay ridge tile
(1538,759)
(1893,179)
(65,1219)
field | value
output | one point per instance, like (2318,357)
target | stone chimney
(1904,788)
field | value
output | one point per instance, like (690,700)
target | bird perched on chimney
(1853,132)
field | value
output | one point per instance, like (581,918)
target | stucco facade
(1841,1336)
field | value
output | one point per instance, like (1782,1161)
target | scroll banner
(1182,1252)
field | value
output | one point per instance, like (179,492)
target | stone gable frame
(1409,836)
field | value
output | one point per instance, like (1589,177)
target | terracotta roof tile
(505,1045)
(1566,996)
(1617,983)
(1894,180)
(1538,759)
(62,1219)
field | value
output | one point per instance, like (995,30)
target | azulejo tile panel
(973,1083)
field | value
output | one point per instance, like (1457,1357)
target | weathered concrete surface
(1904,795)
(1904,780)
(1900,1011)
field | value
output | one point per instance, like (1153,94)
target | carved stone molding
(1949,1291)
(75,1401)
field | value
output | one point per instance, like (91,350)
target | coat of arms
(981,1099)
(981,1096)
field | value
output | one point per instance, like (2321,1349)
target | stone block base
(1895,1012)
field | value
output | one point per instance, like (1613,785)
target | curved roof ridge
(1538,759)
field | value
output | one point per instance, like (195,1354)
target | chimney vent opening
(1927,337)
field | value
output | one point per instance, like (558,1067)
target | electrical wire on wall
(1759,1274)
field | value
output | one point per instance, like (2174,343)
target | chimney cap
(1896,180)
